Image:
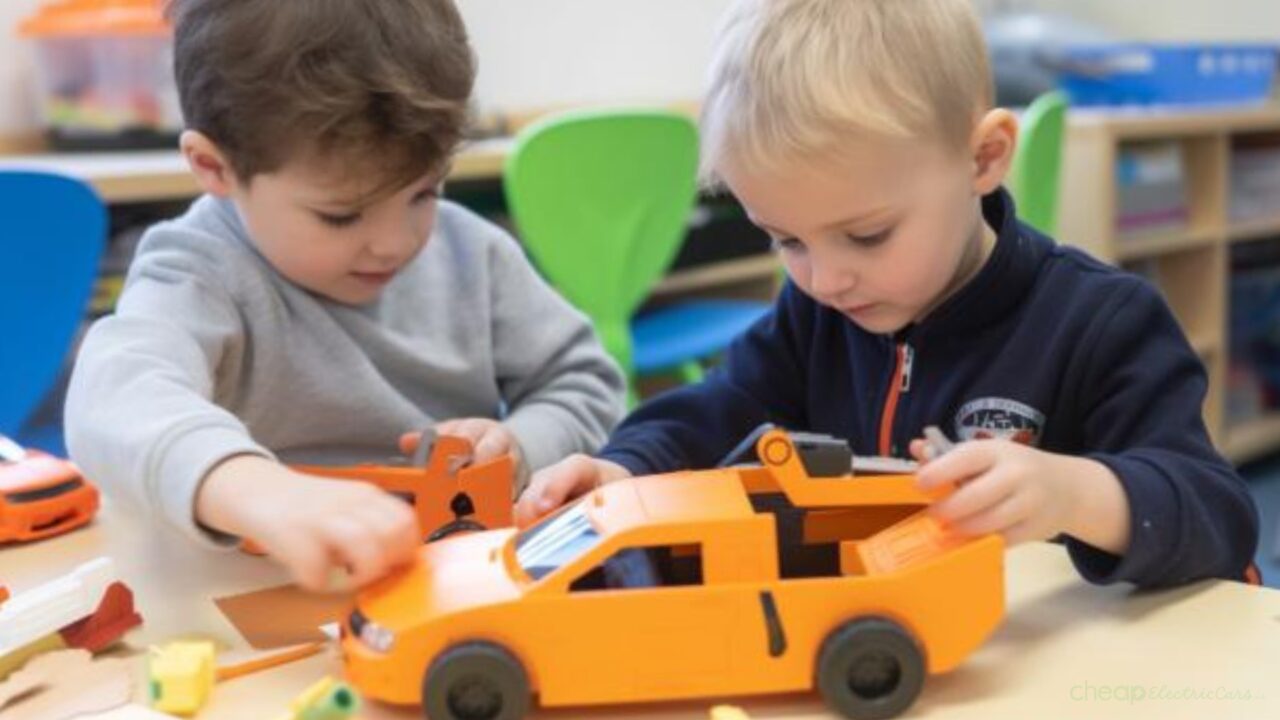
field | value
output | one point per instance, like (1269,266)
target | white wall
(544,53)
(17,105)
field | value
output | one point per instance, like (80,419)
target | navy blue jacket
(1045,345)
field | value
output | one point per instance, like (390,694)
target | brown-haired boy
(321,296)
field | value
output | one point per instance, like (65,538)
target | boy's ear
(994,141)
(207,163)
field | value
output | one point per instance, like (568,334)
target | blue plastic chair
(52,236)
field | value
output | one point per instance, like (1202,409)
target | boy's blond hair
(791,78)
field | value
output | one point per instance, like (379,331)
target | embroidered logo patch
(998,418)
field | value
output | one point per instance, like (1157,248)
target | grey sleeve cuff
(182,468)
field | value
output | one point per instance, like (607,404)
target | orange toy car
(41,495)
(772,578)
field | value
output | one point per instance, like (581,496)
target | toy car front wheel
(870,669)
(475,681)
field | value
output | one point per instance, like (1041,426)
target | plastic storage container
(105,74)
(1138,74)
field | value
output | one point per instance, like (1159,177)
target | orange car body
(752,618)
(42,496)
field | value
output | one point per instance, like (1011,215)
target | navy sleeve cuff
(1152,544)
(634,463)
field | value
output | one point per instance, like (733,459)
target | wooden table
(1065,650)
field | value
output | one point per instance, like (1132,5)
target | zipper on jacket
(899,383)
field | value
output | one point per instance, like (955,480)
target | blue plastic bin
(1144,74)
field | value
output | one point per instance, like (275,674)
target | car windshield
(556,541)
(10,452)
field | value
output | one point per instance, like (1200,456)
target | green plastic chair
(1036,174)
(601,199)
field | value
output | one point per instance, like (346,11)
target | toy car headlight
(374,636)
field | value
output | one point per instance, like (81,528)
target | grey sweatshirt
(211,353)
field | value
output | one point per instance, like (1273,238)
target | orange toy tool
(733,581)
(448,493)
(41,495)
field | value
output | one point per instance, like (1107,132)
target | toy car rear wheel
(870,669)
(475,681)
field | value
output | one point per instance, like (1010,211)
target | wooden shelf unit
(1191,266)
(158,176)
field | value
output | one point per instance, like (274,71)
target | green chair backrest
(601,200)
(1036,174)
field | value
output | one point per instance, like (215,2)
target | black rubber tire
(455,527)
(475,681)
(870,669)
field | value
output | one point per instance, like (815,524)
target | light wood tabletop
(1065,650)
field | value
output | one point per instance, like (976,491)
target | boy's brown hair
(373,85)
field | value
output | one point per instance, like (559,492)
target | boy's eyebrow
(357,203)
(854,220)
(865,217)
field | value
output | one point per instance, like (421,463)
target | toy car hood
(445,577)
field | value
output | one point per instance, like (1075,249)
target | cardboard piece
(74,683)
(283,616)
(18,686)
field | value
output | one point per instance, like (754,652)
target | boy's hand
(556,485)
(310,525)
(489,439)
(1026,494)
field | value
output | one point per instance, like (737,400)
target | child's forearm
(1100,515)
(224,499)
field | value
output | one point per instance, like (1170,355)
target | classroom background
(1152,139)
(1183,188)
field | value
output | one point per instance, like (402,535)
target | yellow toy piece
(729,712)
(182,675)
(328,699)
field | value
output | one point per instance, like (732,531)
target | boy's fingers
(973,497)
(471,429)
(919,451)
(494,443)
(577,475)
(307,562)
(356,546)
(524,513)
(395,526)
(409,442)
(552,487)
(964,462)
(998,519)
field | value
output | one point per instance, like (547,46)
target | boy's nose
(828,284)
(393,241)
